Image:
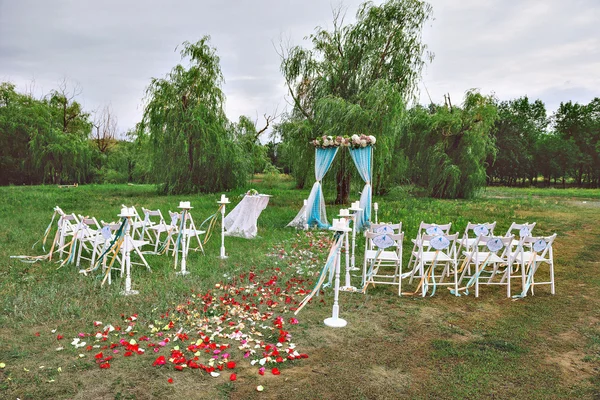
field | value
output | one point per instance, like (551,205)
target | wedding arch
(313,213)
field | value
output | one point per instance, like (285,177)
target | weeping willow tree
(194,151)
(354,79)
(446,147)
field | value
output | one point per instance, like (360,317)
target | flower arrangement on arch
(354,141)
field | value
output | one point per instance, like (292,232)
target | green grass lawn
(393,347)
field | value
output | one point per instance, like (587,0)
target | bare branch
(105,134)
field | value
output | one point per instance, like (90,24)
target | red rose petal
(231,364)
(170,380)
(159,361)
(275,371)
(232,377)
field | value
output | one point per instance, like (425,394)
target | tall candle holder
(185,210)
(347,217)
(127,213)
(305,214)
(224,200)
(339,225)
(375,208)
(355,210)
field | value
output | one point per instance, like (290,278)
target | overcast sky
(546,49)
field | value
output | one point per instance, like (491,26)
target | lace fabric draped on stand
(242,220)
(314,212)
(363,160)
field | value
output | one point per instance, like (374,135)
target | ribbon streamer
(329,265)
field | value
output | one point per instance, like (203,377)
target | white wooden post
(185,209)
(355,209)
(375,207)
(127,247)
(305,214)
(345,214)
(224,200)
(335,321)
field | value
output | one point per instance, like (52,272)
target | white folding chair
(383,250)
(395,228)
(519,231)
(139,225)
(189,231)
(472,233)
(131,245)
(418,242)
(536,251)
(441,251)
(88,233)
(489,259)
(67,225)
(151,226)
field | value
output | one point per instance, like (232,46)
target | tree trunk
(342,180)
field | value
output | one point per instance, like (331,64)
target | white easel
(339,225)
(224,200)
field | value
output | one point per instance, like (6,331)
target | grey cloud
(112,48)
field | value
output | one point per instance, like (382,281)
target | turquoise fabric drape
(362,158)
(316,202)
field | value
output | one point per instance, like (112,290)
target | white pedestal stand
(128,246)
(305,215)
(224,200)
(335,321)
(346,217)
(375,208)
(355,209)
(185,210)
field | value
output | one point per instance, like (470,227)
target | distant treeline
(54,141)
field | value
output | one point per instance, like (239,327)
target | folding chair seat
(383,253)
(489,259)
(535,251)
(441,250)
(418,242)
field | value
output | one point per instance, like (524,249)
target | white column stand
(345,214)
(375,207)
(127,247)
(355,209)
(224,200)
(184,247)
(335,321)
(305,214)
